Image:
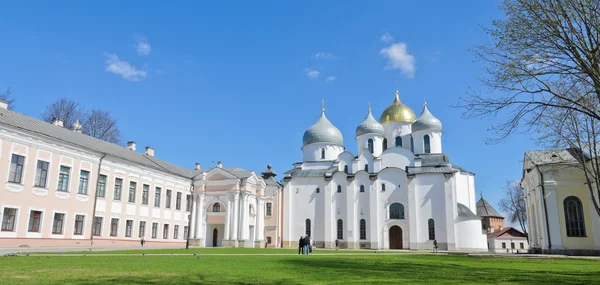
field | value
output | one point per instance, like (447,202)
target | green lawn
(209,250)
(294,269)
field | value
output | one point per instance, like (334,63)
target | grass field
(286,268)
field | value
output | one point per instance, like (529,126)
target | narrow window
(178,201)
(154,230)
(512,245)
(363,229)
(97,231)
(384,144)
(370,145)
(339,188)
(8,219)
(268,240)
(63,178)
(318,190)
(522,246)
(41,174)
(157,197)
(397,211)
(307,227)
(128,228)
(322,153)
(346,169)
(83,182)
(382,187)
(16,168)
(114,227)
(426,143)
(34,221)
(101,187)
(142,229)
(176,232)
(185,232)
(168,199)
(269,209)
(118,187)
(251,209)
(188,203)
(131,196)
(340,229)
(79,220)
(362,188)
(503,245)
(366,167)
(398,141)
(431,227)
(145,194)
(166,231)
(57,225)
(574,217)
(412,144)
(216,207)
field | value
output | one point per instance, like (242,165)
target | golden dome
(397,112)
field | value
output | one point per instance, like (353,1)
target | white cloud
(123,68)
(312,73)
(324,56)
(399,58)
(387,38)
(143,46)
(331,78)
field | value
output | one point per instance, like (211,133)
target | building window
(398,141)
(63,178)
(41,174)
(57,225)
(397,211)
(427,144)
(340,229)
(178,201)
(34,221)
(382,187)
(346,169)
(318,190)
(145,190)
(363,229)
(142,229)
(216,207)
(269,209)
(128,228)
(384,144)
(166,231)
(188,203)
(412,144)
(307,227)
(79,220)
(131,196)
(362,188)
(8,219)
(101,187)
(366,167)
(114,227)
(512,245)
(176,232)
(185,232)
(16,168)
(118,187)
(268,240)
(574,217)
(97,231)
(251,209)
(370,145)
(522,246)
(168,199)
(83,182)
(339,188)
(504,245)
(322,153)
(154,230)
(431,227)
(157,197)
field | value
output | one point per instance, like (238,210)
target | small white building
(507,240)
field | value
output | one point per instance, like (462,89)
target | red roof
(507,233)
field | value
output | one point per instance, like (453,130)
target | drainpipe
(545,208)
(187,241)
(96,199)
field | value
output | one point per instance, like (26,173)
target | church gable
(219,174)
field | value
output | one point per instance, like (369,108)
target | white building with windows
(399,191)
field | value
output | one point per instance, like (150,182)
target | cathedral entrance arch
(395,237)
(214,239)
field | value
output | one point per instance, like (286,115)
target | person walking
(306,244)
(435,246)
(337,244)
(300,245)
(142,241)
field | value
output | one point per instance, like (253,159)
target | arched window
(346,169)
(308,227)
(431,226)
(382,187)
(412,144)
(384,144)
(322,153)
(427,144)
(340,229)
(398,141)
(574,217)
(366,167)
(318,190)
(251,209)
(397,211)
(216,207)
(370,145)
(339,189)
(362,188)
(363,229)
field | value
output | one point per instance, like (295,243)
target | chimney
(219,164)
(131,145)
(3,104)
(57,122)
(197,167)
(149,151)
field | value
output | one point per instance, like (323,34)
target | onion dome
(369,126)
(426,121)
(323,131)
(397,112)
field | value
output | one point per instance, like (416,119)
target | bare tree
(7,96)
(101,125)
(65,109)
(513,203)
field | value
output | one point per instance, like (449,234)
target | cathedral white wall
(435,141)
(469,235)
(392,130)
(465,190)
(430,203)
(397,157)
(312,152)
(362,143)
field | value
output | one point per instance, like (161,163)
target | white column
(191,217)
(201,216)
(227,218)
(260,220)
(197,221)
(244,217)
(236,203)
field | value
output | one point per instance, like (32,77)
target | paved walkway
(4,251)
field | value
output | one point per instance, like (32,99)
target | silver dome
(323,131)
(426,121)
(369,126)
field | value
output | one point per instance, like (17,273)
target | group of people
(305,245)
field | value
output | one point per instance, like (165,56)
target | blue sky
(240,81)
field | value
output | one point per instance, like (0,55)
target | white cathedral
(399,192)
